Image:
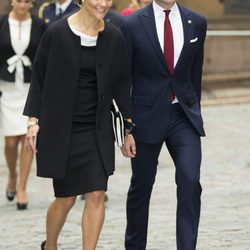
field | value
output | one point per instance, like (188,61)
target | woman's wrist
(32,121)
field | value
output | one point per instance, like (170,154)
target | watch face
(128,125)
(31,123)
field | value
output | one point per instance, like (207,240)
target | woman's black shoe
(43,245)
(21,206)
(10,195)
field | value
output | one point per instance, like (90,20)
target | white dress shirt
(176,24)
(63,6)
(177,28)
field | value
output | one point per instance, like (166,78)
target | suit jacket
(114,17)
(52,93)
(6,50)
(151,80)
(47,12)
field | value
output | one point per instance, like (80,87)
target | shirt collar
(159,11)
(63,6)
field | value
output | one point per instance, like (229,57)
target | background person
(52,11)
(20,34)
(135,5)
(81,64)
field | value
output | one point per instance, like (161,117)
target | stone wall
(227,54)
(4,6)
(209,8)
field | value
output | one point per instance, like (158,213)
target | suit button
(99,126)
(103,97)
(100,64)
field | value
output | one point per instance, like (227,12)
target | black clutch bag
(118,124)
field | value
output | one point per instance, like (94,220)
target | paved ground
(225,220)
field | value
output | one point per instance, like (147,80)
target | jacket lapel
(148,20)
(7,34)
(187,24)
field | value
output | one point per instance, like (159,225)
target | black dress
(85,171)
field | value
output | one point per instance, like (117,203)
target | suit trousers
(184,145)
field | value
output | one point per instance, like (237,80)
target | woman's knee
(95,198)
(11,142)
(66,203)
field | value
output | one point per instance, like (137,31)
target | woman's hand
(30,138)
(129,149)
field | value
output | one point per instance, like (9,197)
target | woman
(20,34)
(135,5)
(81,64)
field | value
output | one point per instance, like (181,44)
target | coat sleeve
(196,73)
(33,102)
(123,88)
(129,44)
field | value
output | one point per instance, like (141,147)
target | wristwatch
(129,126)
(31,123)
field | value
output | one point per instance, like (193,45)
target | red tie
(169,46)
(168,43)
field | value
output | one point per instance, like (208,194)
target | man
(53,11)
(166,43)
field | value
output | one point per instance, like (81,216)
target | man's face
(166,4)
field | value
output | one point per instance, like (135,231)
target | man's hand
(30,138)
(129,149)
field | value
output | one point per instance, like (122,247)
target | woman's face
(21,7)
(98,8)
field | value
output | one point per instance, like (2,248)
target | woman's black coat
(52,94)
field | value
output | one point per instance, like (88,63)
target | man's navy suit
(158,121)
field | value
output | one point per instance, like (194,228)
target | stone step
(226,77)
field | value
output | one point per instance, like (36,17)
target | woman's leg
(92,219)
(56,217)
(11,154)
(25,161)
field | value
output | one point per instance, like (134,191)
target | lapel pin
(189,21)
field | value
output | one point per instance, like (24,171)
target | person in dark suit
(52,11)
(80,66)
(20,34)
(165,42)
